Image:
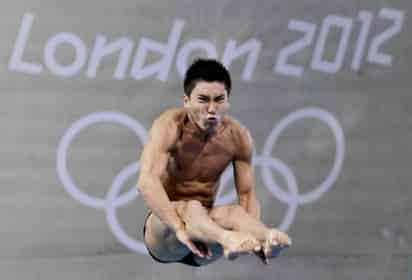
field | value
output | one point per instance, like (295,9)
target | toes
(229,255)
(280,238)
(248,245)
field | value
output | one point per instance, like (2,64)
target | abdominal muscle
(204,192)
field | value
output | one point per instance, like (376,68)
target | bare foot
(274,243)
(237,243)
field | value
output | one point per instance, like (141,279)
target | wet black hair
(208,70)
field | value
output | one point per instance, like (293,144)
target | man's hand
(274,243)
(201,251)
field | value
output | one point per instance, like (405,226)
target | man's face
(207,104)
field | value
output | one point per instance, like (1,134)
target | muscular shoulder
(170,119)
(242,139)
(172,116)
(165,128)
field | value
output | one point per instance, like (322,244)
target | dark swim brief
(189,259)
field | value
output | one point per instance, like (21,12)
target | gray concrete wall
(334,74)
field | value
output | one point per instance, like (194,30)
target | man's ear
(186,100)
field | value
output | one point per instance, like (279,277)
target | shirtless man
(186,153)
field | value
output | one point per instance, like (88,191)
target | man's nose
(211,108)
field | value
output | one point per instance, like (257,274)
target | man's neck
(198,132)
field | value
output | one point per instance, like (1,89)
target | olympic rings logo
(265,161)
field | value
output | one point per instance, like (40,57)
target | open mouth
(212,119)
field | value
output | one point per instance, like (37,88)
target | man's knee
(190,209)
(236,211)
(227,213)
(194,205)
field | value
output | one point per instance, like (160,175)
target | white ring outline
(111,217)
(323,116)
(93,118)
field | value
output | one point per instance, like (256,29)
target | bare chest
(202,161)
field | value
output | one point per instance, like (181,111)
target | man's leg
(164,246)
(200,226)
(234,217)
(161,241)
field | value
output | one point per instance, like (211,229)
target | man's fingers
(194,249)
(209,252)
(204,248)
(184,238)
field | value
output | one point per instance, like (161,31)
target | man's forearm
(250,203)
(157,201)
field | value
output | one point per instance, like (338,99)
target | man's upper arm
(244,175)
(243,169)
(162,137)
